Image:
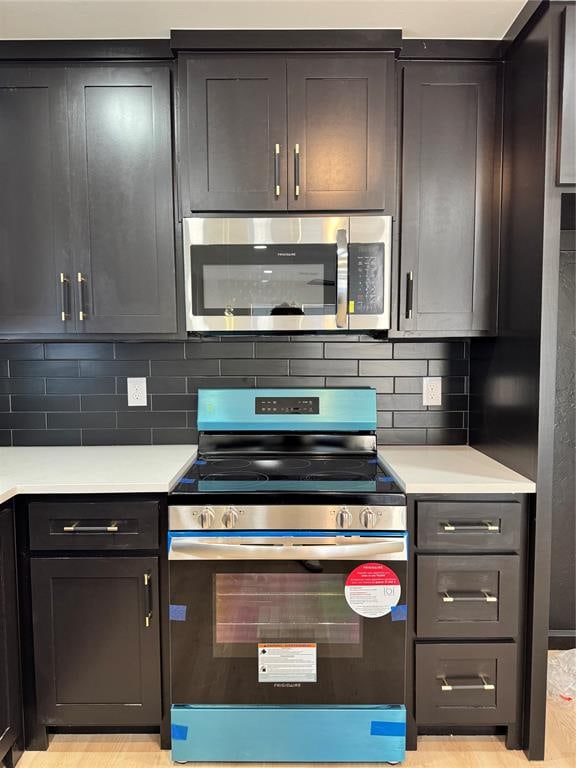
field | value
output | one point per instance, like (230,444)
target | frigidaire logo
(282,253)
(287,685)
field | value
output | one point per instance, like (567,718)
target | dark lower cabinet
(10,698)
(97,641)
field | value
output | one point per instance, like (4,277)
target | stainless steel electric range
(287,550)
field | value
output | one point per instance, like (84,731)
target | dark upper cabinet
(34,204)
(96,641)
(121,189)
(10,718)
(232,133)
(450,197)
(276,133)
(567,128)
(341,132)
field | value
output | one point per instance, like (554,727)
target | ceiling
(93,19)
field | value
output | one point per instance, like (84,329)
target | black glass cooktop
(287,473)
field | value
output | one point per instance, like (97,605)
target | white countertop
(93,469)
(451,469)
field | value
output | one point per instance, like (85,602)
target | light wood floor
(142,751)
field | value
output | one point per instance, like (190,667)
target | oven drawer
(468,596)
(472,684)
(470,526)
(93,525)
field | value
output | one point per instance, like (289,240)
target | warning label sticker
(372,589)
(287,662)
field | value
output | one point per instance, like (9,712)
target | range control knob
(367,518)
(230,517)
(343,518)
(206,517)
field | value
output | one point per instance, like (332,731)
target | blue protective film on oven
(179,732)
(387,728)
(177,613)
(399,612)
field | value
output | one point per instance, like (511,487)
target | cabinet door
(567,128)
(120,154)
(232,133)
(450,197)
(96,640)
(341,132)
(34,205)
(10,726)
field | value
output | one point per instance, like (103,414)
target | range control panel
(286,405)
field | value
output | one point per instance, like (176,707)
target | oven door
(287,619)
(266,274)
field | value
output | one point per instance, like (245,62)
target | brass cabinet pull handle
(147,598)
(64,297)
(483,686)
(482,596)
(75,528)
(277,170)
(81,312)
(409,294)
(297,171)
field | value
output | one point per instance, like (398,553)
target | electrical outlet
(431,390)
(137,391)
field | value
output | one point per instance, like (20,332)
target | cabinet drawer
(470,526)
(472,684)
(468,596)
(94,525)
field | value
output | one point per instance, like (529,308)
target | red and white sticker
(372,589)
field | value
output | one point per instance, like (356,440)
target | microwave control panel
(366,279)
(273,405)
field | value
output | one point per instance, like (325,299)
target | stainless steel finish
(113,528)
(81,280)
(449,527)
(342,279)
(484,686)
(367,517)
(230,517)
(343,518)
(374,229)
(287,548)
(276,517)
(483,596)
(206,517)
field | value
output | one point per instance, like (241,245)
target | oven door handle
(191,548)
(342,279)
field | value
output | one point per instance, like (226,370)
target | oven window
(252,608)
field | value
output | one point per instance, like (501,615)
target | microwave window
(265,289)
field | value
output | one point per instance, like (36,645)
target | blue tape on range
(179,732)
(386,728)
(399,612)
(177,613)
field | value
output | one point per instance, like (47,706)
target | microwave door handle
(342,279)
(190,548)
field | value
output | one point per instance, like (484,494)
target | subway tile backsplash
(75,393)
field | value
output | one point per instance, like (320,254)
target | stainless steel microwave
(289,273)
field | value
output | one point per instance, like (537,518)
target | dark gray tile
(116,437)
(447,436)
(100,386)
(96,420)
(45,403)
(22,386)
(94,368)
(401,437)
(185,368)
(443,419)
(219,349)
(46,437)
(80,351)
(5,438)
(393,368)
(288,349)
(383,385)
(430,350)
(448,368)
(452,403)
(162,385)
(224,382)
(254,367)
(379,350)
(384,419)
(45,368)
(173,403)
(107,403)
(161,350)
(279,382)
(399,402)
(324,367)
(174,437)
(10,351)
(4,403)
(22,421)
(132,419)
(3,368)
(192,419)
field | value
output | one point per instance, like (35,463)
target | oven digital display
(274,405)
